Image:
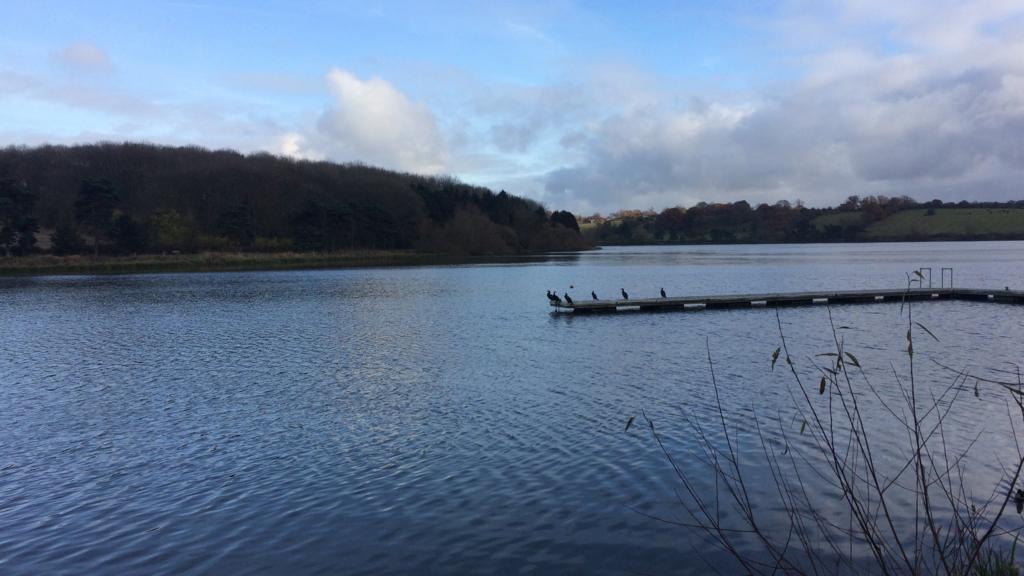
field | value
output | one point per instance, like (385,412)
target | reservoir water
(431,420)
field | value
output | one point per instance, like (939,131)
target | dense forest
(872,218)
(137,198)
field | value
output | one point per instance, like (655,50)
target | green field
(950,223)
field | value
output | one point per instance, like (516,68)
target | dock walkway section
(788,299)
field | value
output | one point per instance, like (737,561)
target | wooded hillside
(131,198)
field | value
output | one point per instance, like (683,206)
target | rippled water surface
(420,420)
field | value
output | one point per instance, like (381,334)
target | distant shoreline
(892,240)
(47,265)
(880,220)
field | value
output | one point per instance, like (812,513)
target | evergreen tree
(66,240)
(94,209)
(128,235)
(237,224)
(17,225)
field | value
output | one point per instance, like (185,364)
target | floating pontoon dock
(788,299)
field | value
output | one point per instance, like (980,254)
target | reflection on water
(419,420)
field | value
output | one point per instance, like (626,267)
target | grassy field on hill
(949,223)
(925,223)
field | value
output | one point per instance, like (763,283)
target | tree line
(739,222)
(136,198)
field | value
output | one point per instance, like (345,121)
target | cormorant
(624,295)
(568,298)
(663,293)
(593,295)
(551,297)
(554,296)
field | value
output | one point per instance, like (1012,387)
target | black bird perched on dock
(593,295)
(663,295)
(555,298)
(624,295)
(551,296)
(568,298)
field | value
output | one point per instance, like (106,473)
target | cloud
(940,116)
(93,109)
(371,121)
(83,57)
(367,121)
(291,144)
(521,116)
(74,93)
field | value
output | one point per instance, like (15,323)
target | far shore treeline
(867,219)
(117,199)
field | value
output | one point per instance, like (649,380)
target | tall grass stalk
(917,515)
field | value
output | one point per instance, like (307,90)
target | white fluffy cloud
(371,121)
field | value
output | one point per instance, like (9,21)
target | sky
(586,106)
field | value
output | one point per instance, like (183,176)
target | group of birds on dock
(554,298)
